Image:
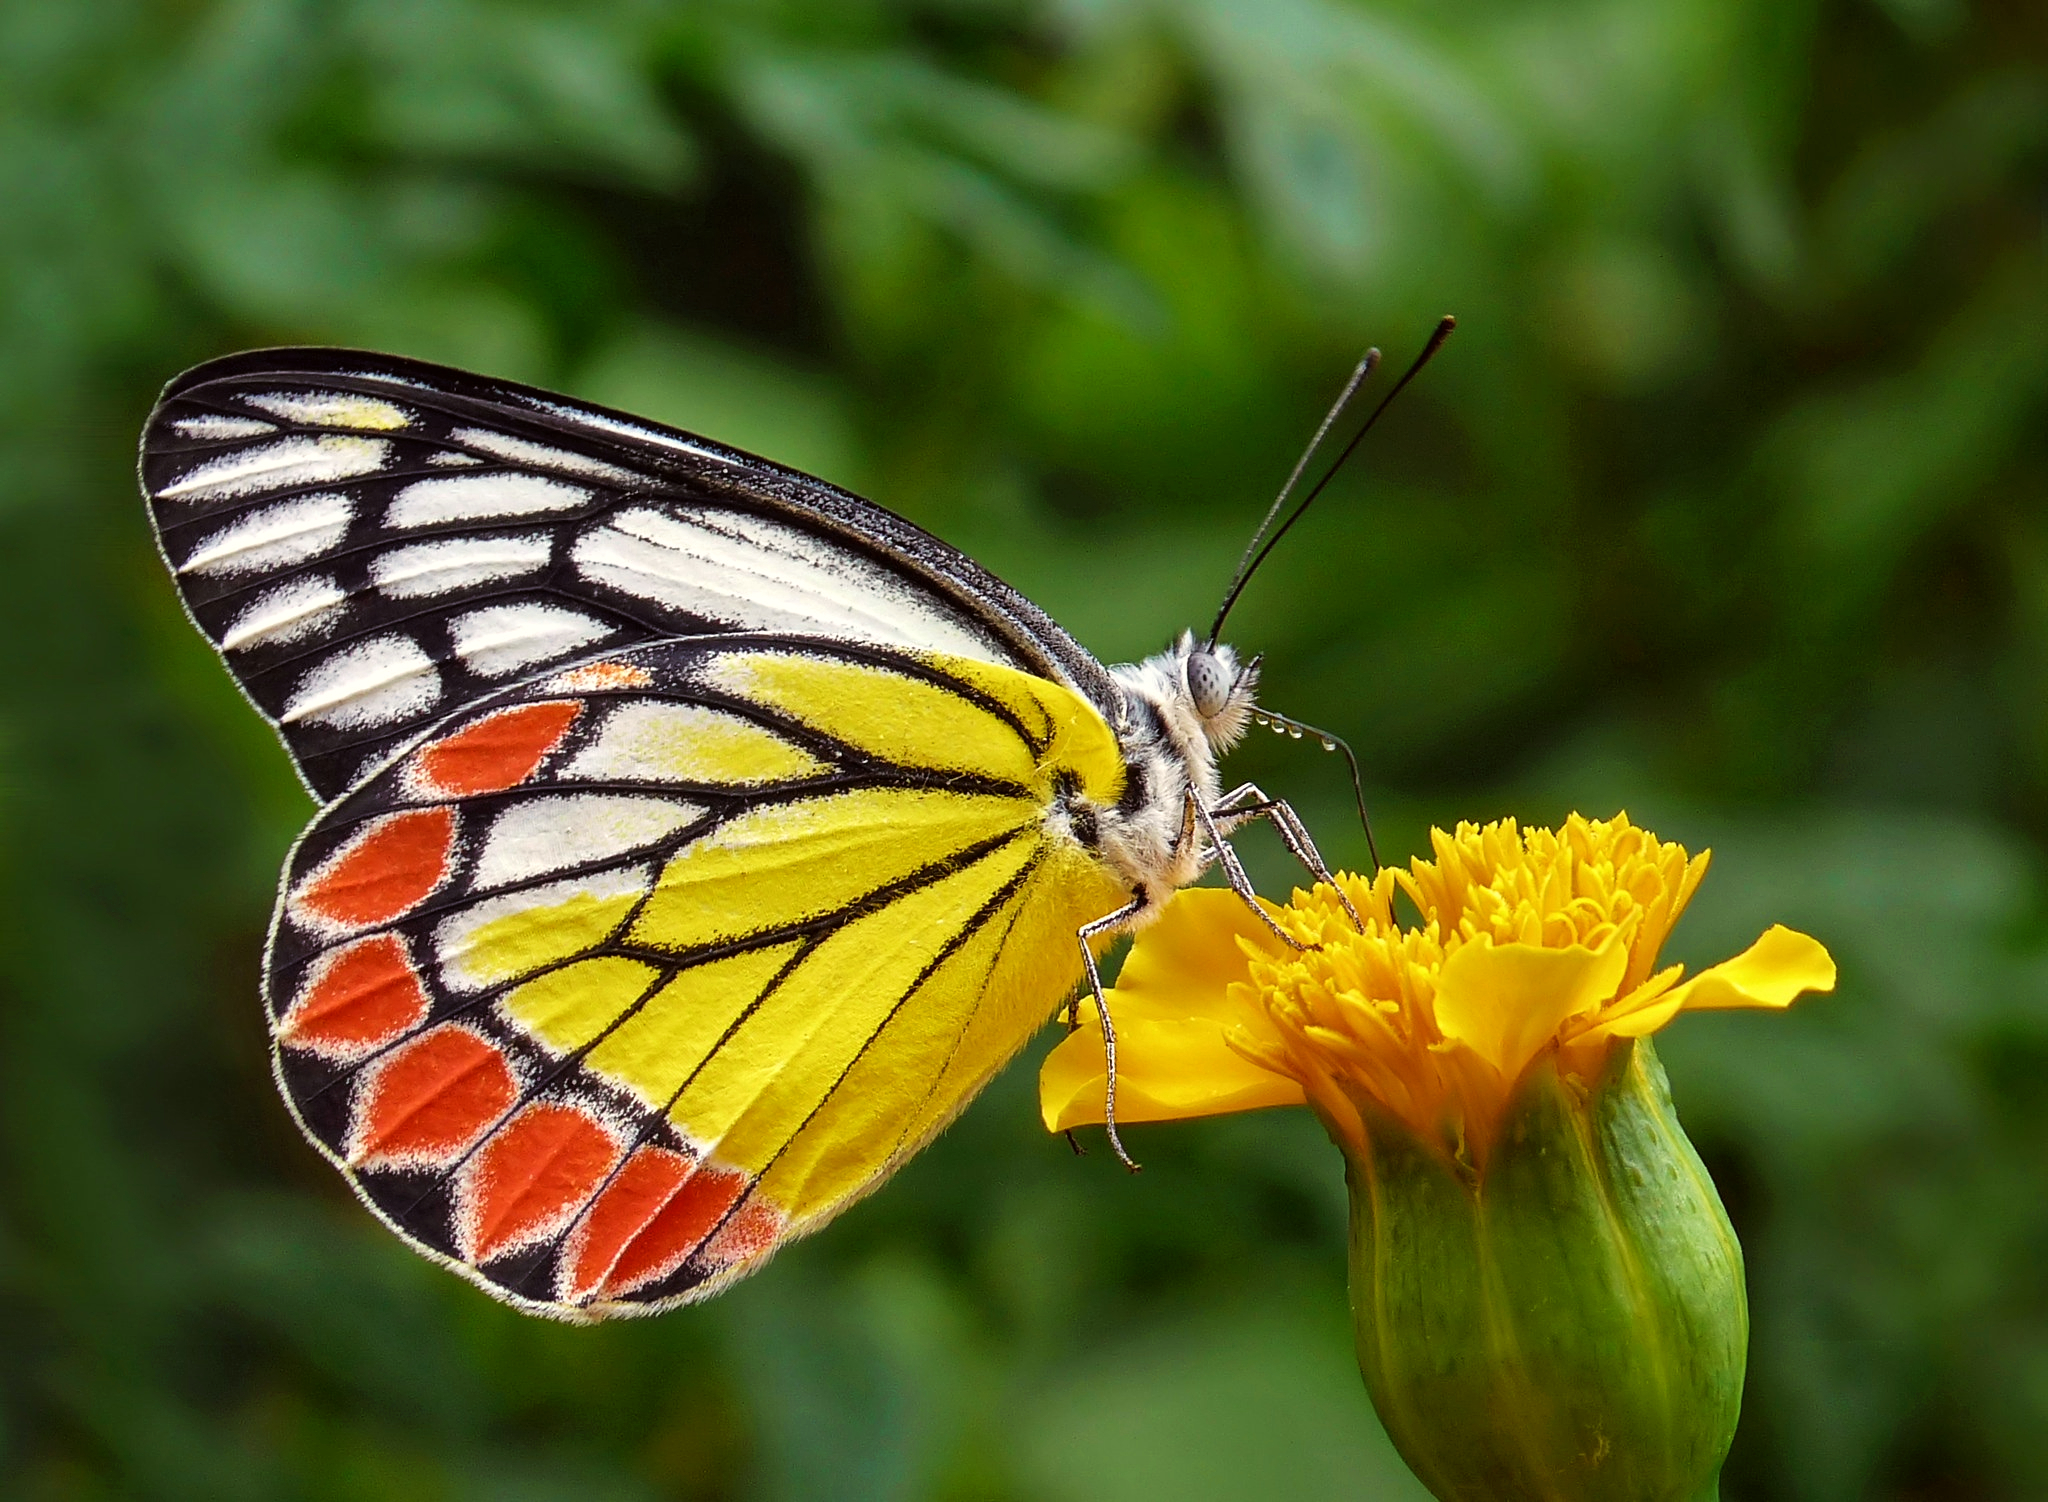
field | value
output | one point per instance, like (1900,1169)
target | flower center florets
(1361,1016)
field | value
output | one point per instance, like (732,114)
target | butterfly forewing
(621,978)
(374,543)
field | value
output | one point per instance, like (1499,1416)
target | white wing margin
(373,542)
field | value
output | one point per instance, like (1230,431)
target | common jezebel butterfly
(697,838)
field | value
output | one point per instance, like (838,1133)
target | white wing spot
(750,574)
(473,498)
(501,639)
(371,683)
(276,466)
(218,425)
(274,536)
(649,740)
(452,459)
(633,430)
(549,834)
(542,455)
(385,378)
(457,563)
(332,409)
(288,613)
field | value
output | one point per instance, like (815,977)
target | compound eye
(1209,684)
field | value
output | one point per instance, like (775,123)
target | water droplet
(1328,744)
(1295,731)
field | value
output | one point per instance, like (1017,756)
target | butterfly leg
(1248,801)
(1087,931)
(1234,872)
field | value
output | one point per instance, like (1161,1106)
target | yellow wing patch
(1038,957)
(1072,736)
(792,862)
(654,1052)
(571,1007)
(789,1058)
(502,939)
(880,712)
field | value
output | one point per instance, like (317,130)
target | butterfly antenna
(1331,741)
(1245,570)
(1364,368)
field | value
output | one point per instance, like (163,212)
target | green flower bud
(1566,1323)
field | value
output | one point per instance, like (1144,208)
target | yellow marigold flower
(1546,1293)
(1529,940)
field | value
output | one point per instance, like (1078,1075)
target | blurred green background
(1726,505)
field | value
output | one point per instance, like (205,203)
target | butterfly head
(1219,690)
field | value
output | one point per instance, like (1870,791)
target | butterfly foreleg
(1087,931)
(1233,869)
(1248,801)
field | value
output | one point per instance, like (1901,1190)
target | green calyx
(1567,1323)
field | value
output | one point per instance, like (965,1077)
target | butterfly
(696,838)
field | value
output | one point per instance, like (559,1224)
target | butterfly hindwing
(373,543)
(619,979)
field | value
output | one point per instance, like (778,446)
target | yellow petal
(1505,1001)
(1184,964)
(1773,972)
(1164,1071)
(1171,1006)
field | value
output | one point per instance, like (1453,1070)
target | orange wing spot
(750,1234)
(499,751)
(648,1222)
(386,869)
(362,995)
(431,1099)
(532,1177)
(595,676)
